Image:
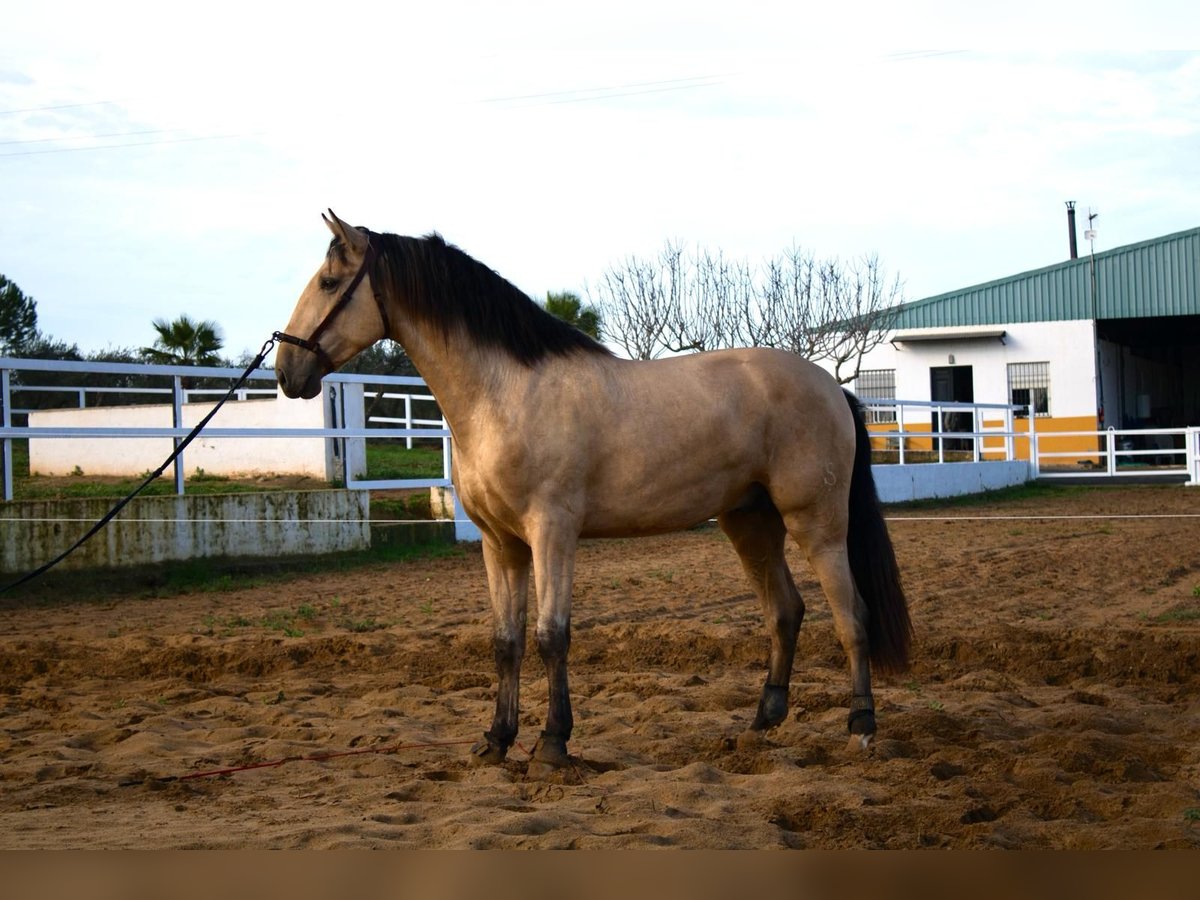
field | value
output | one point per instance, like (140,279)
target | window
(877,384)
(1029,383)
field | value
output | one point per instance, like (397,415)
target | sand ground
(1054,702)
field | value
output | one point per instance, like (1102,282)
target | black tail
(873,561)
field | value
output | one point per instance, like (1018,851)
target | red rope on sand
(314,757)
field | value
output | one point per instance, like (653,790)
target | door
(953,384)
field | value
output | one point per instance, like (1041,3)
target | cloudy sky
(159,158)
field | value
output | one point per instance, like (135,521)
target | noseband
(312,344)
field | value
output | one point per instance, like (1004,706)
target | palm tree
(184,342)
(568,307)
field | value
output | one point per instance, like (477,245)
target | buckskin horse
(556,439)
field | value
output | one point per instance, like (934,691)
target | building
(1106,340)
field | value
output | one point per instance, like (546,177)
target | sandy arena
(1054,702)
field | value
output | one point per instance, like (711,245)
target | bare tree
(631,300)
(864,302)
(820,309)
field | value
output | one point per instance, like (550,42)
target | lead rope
(258,361)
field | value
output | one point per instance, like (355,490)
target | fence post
(1191,443)
(940,440)
(177,422)
(1110,451)
(1034,463)
(900,429)
(977,437)
(353,415)
(1009,443)
(408,441)
(6,402)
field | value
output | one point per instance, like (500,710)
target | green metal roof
(1158,277)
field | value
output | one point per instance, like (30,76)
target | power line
(583,95)
(210,137)
(921,54)
(12,112)
(88,137)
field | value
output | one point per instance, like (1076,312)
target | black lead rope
(108,517)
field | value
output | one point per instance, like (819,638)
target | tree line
(180,341)
(824,309)
(680,302)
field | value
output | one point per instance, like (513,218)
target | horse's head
(335,317)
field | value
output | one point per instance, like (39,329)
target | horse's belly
(660,505)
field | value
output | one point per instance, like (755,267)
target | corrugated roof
(1158,277)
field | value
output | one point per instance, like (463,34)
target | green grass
(1177,615)
(291,623)
(361,626)
(386,458)
(164,580)
(1031,491)
(414,506)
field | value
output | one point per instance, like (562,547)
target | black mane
(440,285)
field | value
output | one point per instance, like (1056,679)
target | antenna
(1090,234)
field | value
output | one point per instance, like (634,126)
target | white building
(1110,340)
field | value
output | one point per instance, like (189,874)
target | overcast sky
(160,158)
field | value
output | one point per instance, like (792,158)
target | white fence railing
(1115,453)
(344,394)
(1125,452)
(952,427)
(985,430)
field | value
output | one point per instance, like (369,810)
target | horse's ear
(348,234)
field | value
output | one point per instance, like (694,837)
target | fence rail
(1116,453)
(985,431)
(342,389)
(891,422)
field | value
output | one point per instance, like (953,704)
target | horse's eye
(327,283)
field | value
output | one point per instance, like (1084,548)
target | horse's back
(780,395)
(690,437)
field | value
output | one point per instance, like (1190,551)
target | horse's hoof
(772,708)
(750,739)
(485,753)
(549,757)
(860,743)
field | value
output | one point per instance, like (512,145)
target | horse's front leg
(507,563)
(553,573)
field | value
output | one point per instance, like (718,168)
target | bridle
(312,344)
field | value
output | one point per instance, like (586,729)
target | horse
(557,439)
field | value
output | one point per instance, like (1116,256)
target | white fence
(348,427)
(1120,456)
(983,431)
(952,426)
(1168,453)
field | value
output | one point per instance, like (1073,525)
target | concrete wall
(155,529)
(216,456)
(923,481)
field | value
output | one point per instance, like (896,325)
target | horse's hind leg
(757,533)
(823,540)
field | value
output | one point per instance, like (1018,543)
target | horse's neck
(461,376)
